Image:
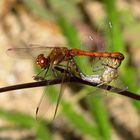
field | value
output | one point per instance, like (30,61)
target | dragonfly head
(121,57)
(42,61)
(115,63)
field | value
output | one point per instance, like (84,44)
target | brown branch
(72,79)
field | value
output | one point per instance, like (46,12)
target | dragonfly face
(42,61)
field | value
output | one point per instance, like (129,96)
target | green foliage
(26,121)
(101,116)
(79,122)
(72,37)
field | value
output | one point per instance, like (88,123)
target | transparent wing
(118,85)
(105,43)
(29,52)
(45,106)
(97,65)
(51,108)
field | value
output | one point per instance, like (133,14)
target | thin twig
(72,79)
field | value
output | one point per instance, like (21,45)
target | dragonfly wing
(97,67)
(29,52)
(44,100)
(118,85)
(45,106)
(61,90)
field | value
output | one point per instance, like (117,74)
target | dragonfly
(110,72)
(48,57)
(51,56)
(106,77)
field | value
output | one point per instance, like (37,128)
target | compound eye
(41,61)
(120,57)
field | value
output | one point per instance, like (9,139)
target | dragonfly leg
(37,77)
(41,78)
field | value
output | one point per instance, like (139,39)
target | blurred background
(89,25)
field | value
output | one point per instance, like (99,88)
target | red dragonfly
(49,57)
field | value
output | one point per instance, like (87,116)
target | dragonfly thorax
(109,75)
